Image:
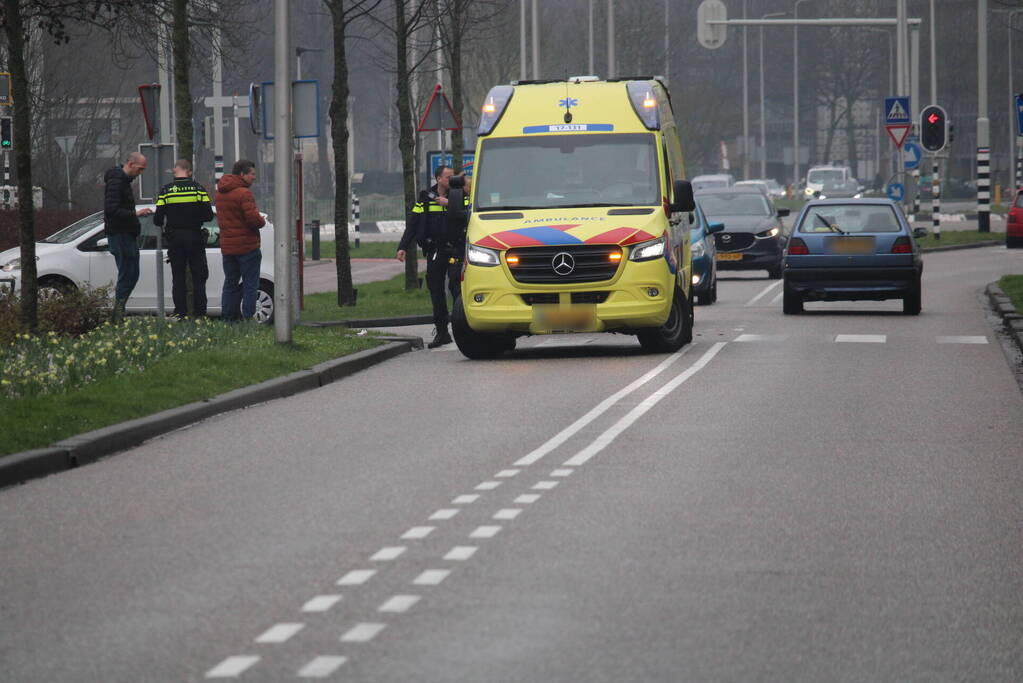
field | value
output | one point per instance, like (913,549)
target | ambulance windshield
(574,170)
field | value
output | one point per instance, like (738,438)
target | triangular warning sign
(898,132)
(897,112)
(439,114)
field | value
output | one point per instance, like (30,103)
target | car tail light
(797,247)
(1015,217)
(902,246)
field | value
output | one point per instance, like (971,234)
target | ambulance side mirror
(456,218)
(683,197)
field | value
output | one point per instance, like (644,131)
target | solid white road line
(763,292)
(861,338)
(485,532)
(460,553)
(362,633)
(321,603)
(962,340)
(444,513)
(507,513)
(398,603)
(506,473)
(431,577)
(545,485)
(356,577)
(466,499)
(280,633)
(387,554)
(527,498)
(321,667)
(608,436)
(418,532)
(232,667)
(602,407)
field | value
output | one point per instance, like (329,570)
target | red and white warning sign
(898,132)
(439,114)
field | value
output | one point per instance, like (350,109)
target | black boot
(441,338)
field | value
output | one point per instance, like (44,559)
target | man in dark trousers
(239,221)
(184,205)
(425,225)
(122,228)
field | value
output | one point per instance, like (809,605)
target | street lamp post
(795,97)
(66,144)
(891,86)
(1014,162)
(983,125)
(763,110)
(745,101)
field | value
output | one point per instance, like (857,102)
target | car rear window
(849,218)
(727,204)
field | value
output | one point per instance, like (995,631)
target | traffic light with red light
(933,128)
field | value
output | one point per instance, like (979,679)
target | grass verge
(381,299)
(950,237)
(37,421)
(1012,285)
(366,249)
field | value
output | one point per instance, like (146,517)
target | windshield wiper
(506,208)
(829,226)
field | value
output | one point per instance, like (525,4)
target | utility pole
(611,72)
(983,125)
(536,44)
(935,167)
(218,110)
(745,99)
(281,125)
(522,40)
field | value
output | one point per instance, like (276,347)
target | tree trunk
(181,52)
(15,31)
(457,138)
(406,142)
(339,138)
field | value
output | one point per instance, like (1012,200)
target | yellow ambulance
(579,217)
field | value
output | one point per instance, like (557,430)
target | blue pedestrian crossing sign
(1019,114)
(914,155)
(895,191)
(896,110)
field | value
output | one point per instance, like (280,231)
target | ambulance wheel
(475,345)
(676,332)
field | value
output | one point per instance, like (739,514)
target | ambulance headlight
(647,251)
(481,256)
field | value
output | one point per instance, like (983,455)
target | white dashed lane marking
(280,633)
(321,603)
(445,513)
(763,292)
(561,473)
(460,553)
(418,532)
(321,667)
(399,603)
(356,577)
(527,498)
(362,633)
(431,577)
(485,532)
(507,513)
(962,340)
(466,499)
(387,554)
(506,473)
(232,667)
(545,485)
(760,337)
(488,486)
(862,338)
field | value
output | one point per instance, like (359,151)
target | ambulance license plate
(555,318)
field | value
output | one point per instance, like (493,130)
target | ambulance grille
(592,263)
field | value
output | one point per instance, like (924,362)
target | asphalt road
(779,502)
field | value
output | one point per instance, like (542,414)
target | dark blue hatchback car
(852,249)
(705,272)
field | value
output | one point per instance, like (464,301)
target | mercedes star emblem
(563,263)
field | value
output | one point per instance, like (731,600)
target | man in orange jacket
(239,221)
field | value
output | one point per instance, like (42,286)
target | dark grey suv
(754,237)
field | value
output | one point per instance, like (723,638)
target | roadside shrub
(70,314)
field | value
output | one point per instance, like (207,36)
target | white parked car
(78,256)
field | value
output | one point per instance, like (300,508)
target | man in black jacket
(425,224)
(121,224)
(185,206)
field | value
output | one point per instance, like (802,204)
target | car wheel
(911,302)
(792,302)
(775,273)
(264,303)
(1013,242)
(473,344)
(714,289)
(676,332)
(54,288)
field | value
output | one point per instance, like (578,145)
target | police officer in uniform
(443,249)
(184,205)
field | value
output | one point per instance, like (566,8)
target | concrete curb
(969,245)
(91,446)
(1011,318)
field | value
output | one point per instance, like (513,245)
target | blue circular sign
(895,191)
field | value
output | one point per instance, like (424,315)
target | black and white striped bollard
(935,199)
(355,217)
(984,189)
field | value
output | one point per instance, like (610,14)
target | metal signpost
(67,144)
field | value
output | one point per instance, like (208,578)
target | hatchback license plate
(852,245)
(554,318)
(728,257)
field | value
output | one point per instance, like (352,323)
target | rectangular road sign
(305,109)
(1019,114)
(896,111)
(5,89)
(160,169)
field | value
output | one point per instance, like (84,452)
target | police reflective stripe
(418,208)
(182,198)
